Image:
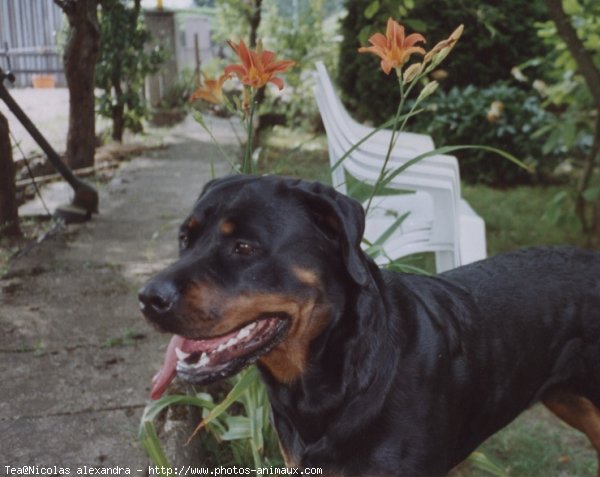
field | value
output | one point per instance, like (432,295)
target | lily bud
(428,90)
(412,72)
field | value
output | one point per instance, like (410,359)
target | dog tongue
(167,373)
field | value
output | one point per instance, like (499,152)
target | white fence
(29,31)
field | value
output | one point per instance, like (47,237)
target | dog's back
(523,327)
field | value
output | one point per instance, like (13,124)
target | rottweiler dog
(372,372)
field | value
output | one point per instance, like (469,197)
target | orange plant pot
(43,81)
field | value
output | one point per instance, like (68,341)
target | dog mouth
(203,361)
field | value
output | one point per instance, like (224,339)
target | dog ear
(341,217)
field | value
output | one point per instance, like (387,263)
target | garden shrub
(123,65)
(492,44)
(502,116)
(303,39)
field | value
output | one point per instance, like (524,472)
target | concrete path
(76,356)
(49,111)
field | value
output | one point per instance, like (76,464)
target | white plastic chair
(440,221)
(407,145)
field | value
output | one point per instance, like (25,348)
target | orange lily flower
(211,91)
(394,48)
(258,67)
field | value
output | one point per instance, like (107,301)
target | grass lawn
(515,217)
(520,217)
(537,443)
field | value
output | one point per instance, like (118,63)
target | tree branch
(67,6)
(585,62)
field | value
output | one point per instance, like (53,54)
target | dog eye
(243,248)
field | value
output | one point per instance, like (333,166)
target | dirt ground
(76,356)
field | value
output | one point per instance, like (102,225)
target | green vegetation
(521,217)
(240,418)
(462,114)
(536,445)
(123,66)
(489,33)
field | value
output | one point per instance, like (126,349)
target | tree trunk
(81,53)
(9,214)
(591,74)
(584,183)
(118,110)
(254,20)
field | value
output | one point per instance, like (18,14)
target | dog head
(257,277)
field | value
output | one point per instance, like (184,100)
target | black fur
(411,372)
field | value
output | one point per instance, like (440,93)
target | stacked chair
(421,209)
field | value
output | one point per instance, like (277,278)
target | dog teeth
(181,355)
(221,347)
(244,333)
(251,326)
(203,361)
(231,342)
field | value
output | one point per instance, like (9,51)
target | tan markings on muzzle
(201,309)
(287,361)
(210,312)
(243,309)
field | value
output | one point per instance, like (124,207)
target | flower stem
(395,131)
(200,120)
(247,163)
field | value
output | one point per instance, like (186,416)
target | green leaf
(197,115)
(151,444)
(247,378)
(554,209)
(447,150)
(377,246)
(572,7)
(592,194)
(257,428)
(390,123)
(551,142)
(406,268)
(417,25)
(372,9)
(481,461)
(199,118)
(238,427)
(153,409)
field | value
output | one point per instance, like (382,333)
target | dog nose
(158,298)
